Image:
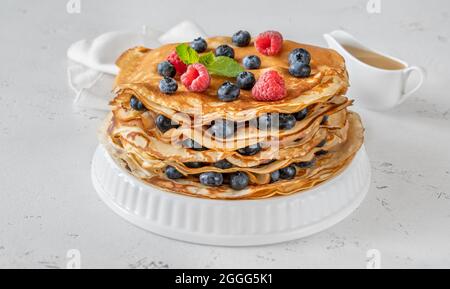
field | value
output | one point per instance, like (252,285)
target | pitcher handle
(406,74)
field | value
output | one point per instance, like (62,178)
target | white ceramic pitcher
(373,87)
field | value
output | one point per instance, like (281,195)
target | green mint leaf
(224,66)
(187,54)
(207,59)
(221,65)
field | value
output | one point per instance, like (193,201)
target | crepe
(339,155)
(327,138)
(139,76)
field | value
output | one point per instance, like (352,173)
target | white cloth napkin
(92,68)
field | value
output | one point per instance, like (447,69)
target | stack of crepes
(320,145)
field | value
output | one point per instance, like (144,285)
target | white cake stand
(230,223)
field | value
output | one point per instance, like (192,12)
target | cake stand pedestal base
(230,223)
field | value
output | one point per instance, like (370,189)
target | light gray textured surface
(47,202)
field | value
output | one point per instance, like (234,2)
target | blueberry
(224,50)
(172,173)
(306,165)
(252,62)
(239,181)
(301,115)
(199,45)
(325,119)
(223,128)
(275,176)
(287,121)
(266,121)
(241,38)
(164,124)
(228,92)
(299,55)
(191,144)
(166,68)
(250,150)
(194,165)
(288,173)
(299,69)
(223,164)
(168,85)
(284,121)
(321,153)
(211,179)
(136,104)
(245,80)
(322,143)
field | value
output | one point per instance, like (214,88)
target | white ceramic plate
(231,223)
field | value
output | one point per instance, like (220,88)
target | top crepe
(139,75)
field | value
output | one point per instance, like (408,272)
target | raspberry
(196,78)
(269,43)
(269,87)
(179,65)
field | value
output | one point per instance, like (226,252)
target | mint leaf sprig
(187,54)
(224,66)
(217,65)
